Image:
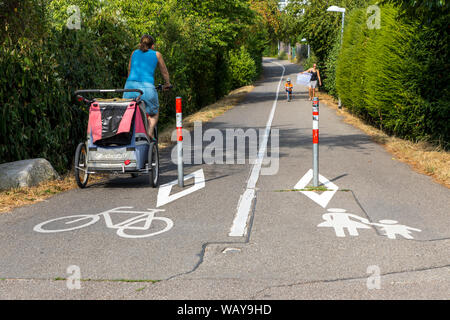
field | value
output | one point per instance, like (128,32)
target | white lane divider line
(321,199)
(239,227)
(164,196)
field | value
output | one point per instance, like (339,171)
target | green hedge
(208,47)
(394,77)
(329,73)
(34,115)
(242,67)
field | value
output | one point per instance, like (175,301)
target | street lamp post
(339,9)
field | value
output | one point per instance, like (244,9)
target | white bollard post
(179,142)
(315,132)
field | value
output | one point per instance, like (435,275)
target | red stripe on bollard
(315,135)
(178,105)
(179,134)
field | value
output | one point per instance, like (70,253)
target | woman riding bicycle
(141,75)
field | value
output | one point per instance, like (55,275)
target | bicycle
(129,224)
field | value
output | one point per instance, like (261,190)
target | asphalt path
(289,248)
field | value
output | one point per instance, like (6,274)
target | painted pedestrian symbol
(341,221)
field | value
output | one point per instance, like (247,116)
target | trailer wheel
(153,164)
(80,165)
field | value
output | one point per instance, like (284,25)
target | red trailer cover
(112,121)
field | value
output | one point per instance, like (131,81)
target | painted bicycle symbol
(141,222)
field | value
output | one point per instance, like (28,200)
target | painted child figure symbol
(391,228)
(340,220)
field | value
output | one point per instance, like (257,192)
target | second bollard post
(315,132)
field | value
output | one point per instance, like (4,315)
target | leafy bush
(282,56)
(329,81)
(271,50)
(242,67)
(351,73)
(309,62)
(394,77)
(35,121)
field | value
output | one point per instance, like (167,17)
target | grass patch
(127,280)
(320,188)
(422,157)
(18,197)
(110,280)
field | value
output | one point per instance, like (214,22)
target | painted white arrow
(323,198)
(164,196)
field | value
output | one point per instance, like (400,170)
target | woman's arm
(318,75)
(163,69)
(129,64)
(307,71)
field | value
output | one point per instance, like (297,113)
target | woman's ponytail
(146,43)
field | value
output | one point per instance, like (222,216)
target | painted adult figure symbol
(340,220)
(391,228)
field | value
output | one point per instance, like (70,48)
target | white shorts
(313,84)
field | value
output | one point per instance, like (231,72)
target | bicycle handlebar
(81,98)
(160,87)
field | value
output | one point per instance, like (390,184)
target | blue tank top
(143,65)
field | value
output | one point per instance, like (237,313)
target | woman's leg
(153,121)
(310,93)
(152,108)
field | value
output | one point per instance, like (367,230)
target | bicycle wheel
(153,164)
(77,218)
(80,165)
(121,231)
